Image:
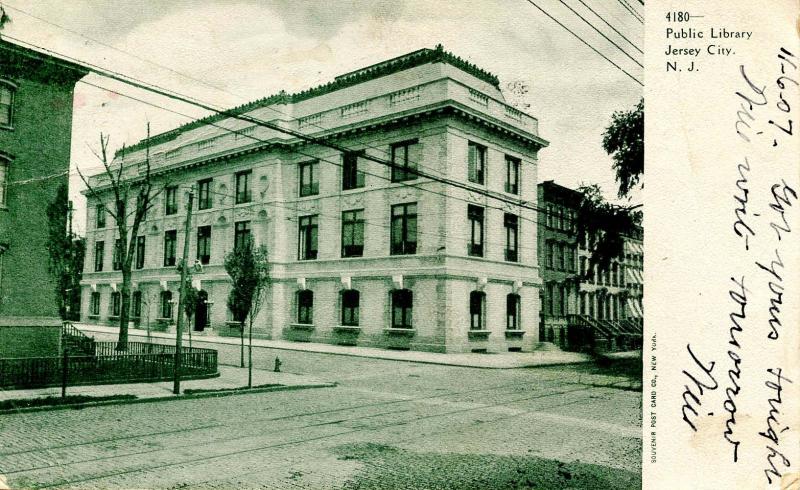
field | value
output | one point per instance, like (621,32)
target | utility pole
(176,386)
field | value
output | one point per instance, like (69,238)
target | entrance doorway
(201,311)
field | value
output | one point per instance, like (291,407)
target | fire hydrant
(278,365)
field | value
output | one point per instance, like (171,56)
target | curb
(84,327)
(214,394)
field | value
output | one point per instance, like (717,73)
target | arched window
(6,103)
(477,310)
(402,307)
(305,307)
(350,304)
(512,312)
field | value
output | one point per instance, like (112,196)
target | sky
(227,52)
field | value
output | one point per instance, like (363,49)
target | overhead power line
(297,134)
(611,26)
(631,10)
(585,42)
(601,33)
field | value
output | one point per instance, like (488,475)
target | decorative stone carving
(481,284)
(263,186)
(222,194)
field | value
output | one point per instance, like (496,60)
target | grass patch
(52,401)
(218,390)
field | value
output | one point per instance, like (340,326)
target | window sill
(6,127)
(406,332)
(514,334)
(94,317)
(346,329)
(164,320)
(478,334)
(302,326)
(113,317)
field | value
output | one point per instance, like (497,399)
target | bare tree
(122,188)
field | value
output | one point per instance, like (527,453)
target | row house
(608,300)
(391,240)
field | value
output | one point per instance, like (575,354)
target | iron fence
(142,362)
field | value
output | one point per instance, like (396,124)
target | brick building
(609,302)
(362,252)
(35,131)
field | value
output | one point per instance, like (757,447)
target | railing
(76,342)
(32,372)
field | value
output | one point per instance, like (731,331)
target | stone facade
(35,131)
(435,264)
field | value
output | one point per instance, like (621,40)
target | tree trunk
(125,293)
(250,355)
(241,337)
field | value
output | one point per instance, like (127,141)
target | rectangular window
(139,206)
(204,244)
(115,303)
(305,307)
(562,256)
(404,229)
(171,200)
(100,216)
(99,249)
(512,174)
(307,238)
(476,163)
(94,304)
(4,163)
(166,304)
(309,180)
(170,242)
(511,223)
(116,258)
(350,304)
(405,157)
(136,304)
(550,288)
(243,192)
(140,251)
(353,233)
(6,105)
(512,312)
(477,304)
(475,217)
(402,307)
(241,235)
(204,194)
(352,177)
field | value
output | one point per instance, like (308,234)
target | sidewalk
(495,361)
(229,378)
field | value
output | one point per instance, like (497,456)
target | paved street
(388,424)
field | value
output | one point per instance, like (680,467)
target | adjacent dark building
(36,92)
(580,310)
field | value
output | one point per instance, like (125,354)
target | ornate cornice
(394,65)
